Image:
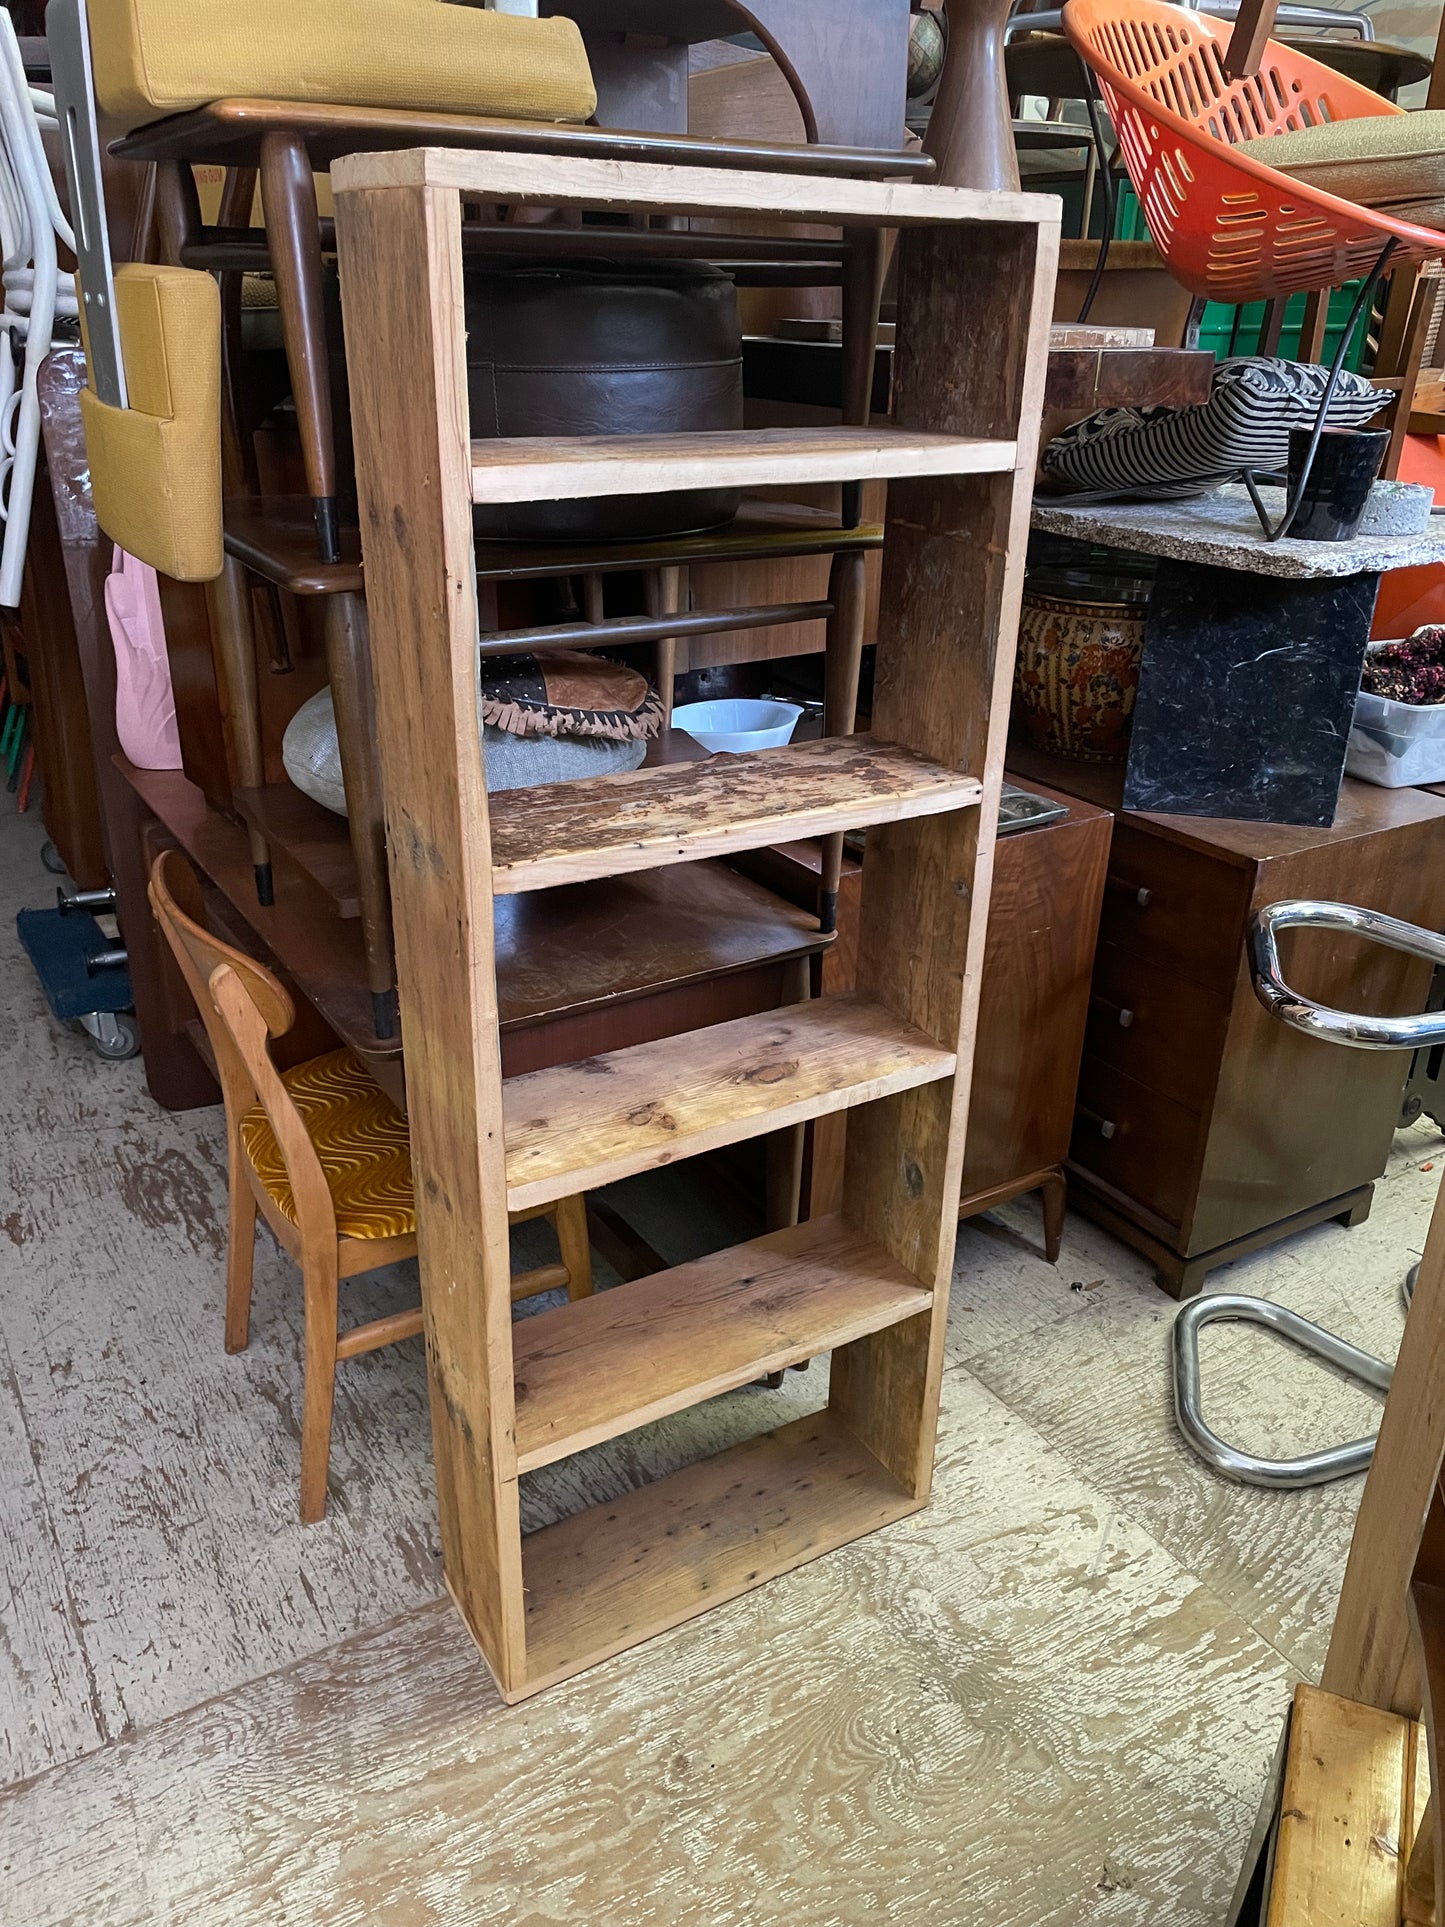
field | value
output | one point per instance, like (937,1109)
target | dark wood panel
(1043,921)
(1190,917)
(70,801)
(1153,1150)
(1174,1031)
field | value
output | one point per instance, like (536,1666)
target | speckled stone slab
(1222,531)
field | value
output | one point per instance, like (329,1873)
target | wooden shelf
(607,1364)
(578,1126)
(555,468)
(275,537)
(967,406)
(645,818)
(616,1574)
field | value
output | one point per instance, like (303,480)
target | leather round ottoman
(604,348)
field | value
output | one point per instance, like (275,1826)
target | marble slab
(1246,692)
(1222,531)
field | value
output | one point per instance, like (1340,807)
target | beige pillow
(1392,162)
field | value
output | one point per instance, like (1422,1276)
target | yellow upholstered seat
(158,57)
(155,466)
(361,1141)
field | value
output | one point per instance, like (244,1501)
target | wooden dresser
(1204,1128)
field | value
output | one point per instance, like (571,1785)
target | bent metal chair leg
(1314,1468)
(1356,1032)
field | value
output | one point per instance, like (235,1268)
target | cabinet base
(1050,1182)
(1183,1277)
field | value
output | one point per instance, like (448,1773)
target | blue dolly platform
(61,944)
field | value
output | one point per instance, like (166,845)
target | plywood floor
(1049,1699)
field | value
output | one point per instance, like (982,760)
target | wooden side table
(1048,887)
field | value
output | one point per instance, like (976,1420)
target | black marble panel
(1246,692)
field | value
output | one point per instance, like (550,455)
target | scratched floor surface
(1049,1699)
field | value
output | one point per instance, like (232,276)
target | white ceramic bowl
(736,725)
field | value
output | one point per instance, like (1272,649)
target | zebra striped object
(1169,454)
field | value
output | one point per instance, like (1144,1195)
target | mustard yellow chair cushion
(360,1138)
(1392,162)
(159,57)
(155,467)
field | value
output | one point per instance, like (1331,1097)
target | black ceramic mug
(1345,465)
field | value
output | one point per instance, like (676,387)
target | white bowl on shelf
(736,725)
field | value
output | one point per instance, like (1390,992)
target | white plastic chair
(31,218)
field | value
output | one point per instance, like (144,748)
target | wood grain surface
(685,1335)
(1086,1640)
(1339,1857)
(554,180)
(632,1110)
(566,832)
(541,468)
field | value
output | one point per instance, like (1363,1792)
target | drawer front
(1159,1028)
(1176,906)
(1137,1140)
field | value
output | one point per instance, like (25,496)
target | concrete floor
(1050,1698)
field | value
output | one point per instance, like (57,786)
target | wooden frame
(976,284)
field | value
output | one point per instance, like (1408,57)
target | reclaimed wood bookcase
(869,1285)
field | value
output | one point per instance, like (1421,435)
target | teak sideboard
(869,1285)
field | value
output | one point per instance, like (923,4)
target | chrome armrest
(1318,1020)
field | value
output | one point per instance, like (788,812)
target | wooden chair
(325,1156)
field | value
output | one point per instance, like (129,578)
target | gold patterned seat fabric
(360,1138)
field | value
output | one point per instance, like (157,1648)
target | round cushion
(604,348)
(312,757)
(1394,163)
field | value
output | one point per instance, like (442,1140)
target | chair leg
(848,592)
(233,650)
(240,1254)
(1055,1189)
(319,1279)
(348,661)
(288,199)
(576,1246)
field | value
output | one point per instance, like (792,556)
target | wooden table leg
(1312,327)
(177,210)
(783,1158)
(1055,1191)
(862,292)
(288,196)
(847,591)
(233,651)
(663,596)
(348,661)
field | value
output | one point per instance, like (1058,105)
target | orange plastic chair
(1228,226)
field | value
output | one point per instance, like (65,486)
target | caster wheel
(1411,1111)
(118,1039)
(52,859)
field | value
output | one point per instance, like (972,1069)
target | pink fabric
(145,710)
